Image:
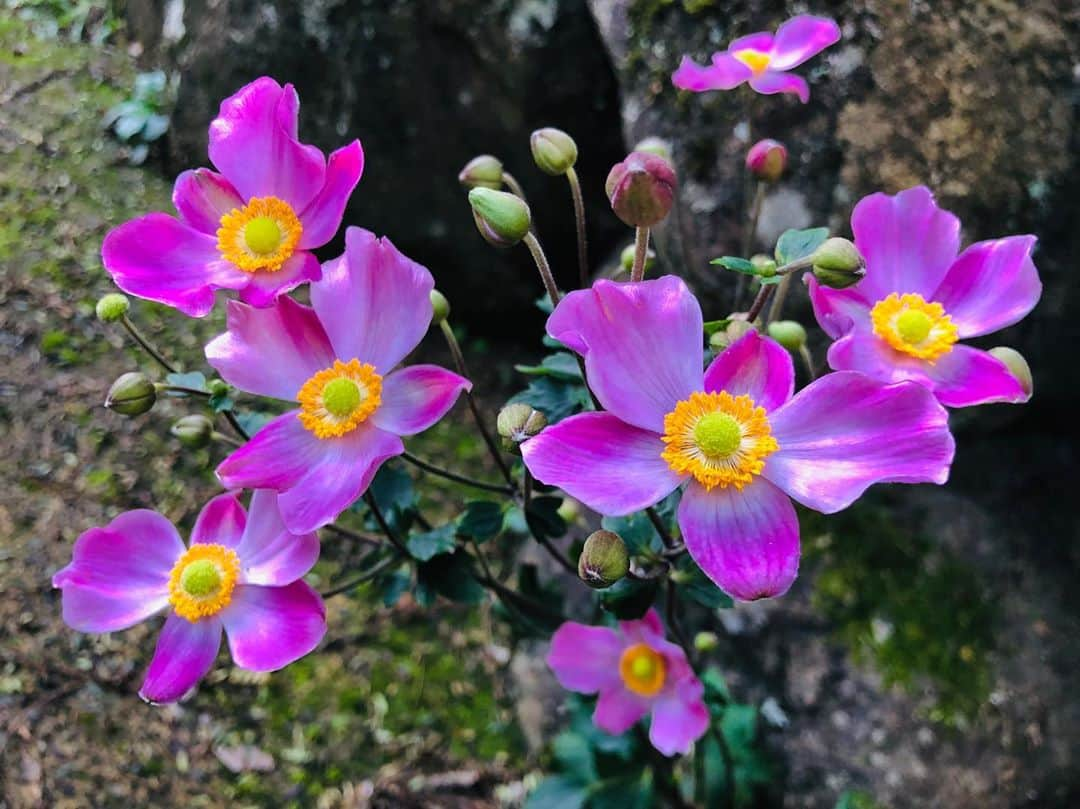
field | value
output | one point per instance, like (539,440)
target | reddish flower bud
(767,160)
(641,189)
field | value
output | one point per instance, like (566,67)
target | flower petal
(221,522)
(648,629)
(272,351)
(322,217)
(967,376)
(679,719)
(184,654)
(277,456)
(991,285)
(586,658)
(746,541)
(269,553)
(373,301)
(837,310)
(608,465)
(642,345)
(416,397)
(771,82)
(618,710)
(724,73)
(907,241)
(119,574)
(202,197)
(756,366)
(847,431)
(800,38)
(253,143)
(162,259)
(761,41)
(270,627)
(862,350)
(265,287)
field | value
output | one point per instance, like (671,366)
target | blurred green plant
(74,20)
(140,120)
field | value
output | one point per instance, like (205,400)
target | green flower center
(341,397)
(643,667)
(717,435)
(201,578)
(262,235)
(913,325)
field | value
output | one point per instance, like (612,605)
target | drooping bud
(485,171)
(626,258)
(132,394)
(1017,366)
(838,264)
(641,189)
(656,146)
(788,333)
(763,265)
(440,307)
(553,151)
(518,421)
(604,559)
(767,160)
(112,307)
(503,219)
(193,431)
(706,641)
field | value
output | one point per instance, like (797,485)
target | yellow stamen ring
(757,61)
(914,327)
(260,236)
(720,439)
(337,400)
(202,581)
(643,670)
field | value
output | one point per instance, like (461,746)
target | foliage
(140,120)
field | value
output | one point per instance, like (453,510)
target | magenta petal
(161,259)
(270,627)
(800,38)
(322,217)
(679,719)
(221,522)
(271,352)
(991,285)
(184,654)
(202,197)
(724,73)
(862,350)
(269,553)
(586,658)
(253,143)
(746,541)
(967,376)
(608,465)
(266,287)
(642,345)
(771,82)
(837,310)
(373,301)
(416,397)
(907,241)
(756,366)
(277,456)
(762,41)
(618,710)
(648,629)
(847,431)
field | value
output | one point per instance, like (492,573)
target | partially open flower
(503,219)
(553,151)
(767,160)
(641,189)
(485,171)
(132,394)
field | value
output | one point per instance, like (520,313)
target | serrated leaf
(482,520)
(795,244)
(735,264)
(431,543)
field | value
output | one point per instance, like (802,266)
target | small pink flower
(767,160)
(240,573)
(763,59)
(253,226)
(902,321)
(335,358)
(636,672)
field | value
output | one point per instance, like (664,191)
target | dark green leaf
(557,792)
(795,244)
(253,421)
(575,757)
(561,365)
(624,792)
(739,725)
(482,520)
(451,576)
(394,586)
(542,517)
(716,690)
(430,544)
(700,588)
(736,264)
(393,491)
(555,398)
(714,772)
(628,599)
(636,530)
(713,326)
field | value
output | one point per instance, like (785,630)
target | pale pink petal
(724,73)
(221,522)
(746,541)
(837,310)
(269,553)
(967,376)
(755,366)
(679,718)
(800,38)
(270,627)
(762,41)
(265,287)
(202,197)
(771,82)
(322,217)
(416,397)
(184,654)
(608,465)
(586,658)
(618,710)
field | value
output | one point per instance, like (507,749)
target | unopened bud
(503,219)
(112,307)
(656,146)
(738,326)
(706,641)
(440,307)
(1017,366)
(763,265)
(788,333)
(553,151)
(193,431)
(767,160)
(604,559)
(485,171)
(518,421)
(641,189)
(132,394)
(626,258)
(838,264)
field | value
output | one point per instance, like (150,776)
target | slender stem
(729,770)
(512,183)
(225,439)
(526,487)
(522,601)
(542,265)
(579,221)
(367,575)
(672,609)
(146,345)
(778,299)
(641,252)
(748,236)
(353,535)
(808,360)
(162,388)
(454,476)
(234,422)
(557,555)
(759,302)
(661,529)
(384,526)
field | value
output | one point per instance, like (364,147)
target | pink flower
(336,358)
(763,59)
(903,320)
(734,435)
(241,573)
(250,228)
(636,672)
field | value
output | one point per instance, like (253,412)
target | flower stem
(353,535)
(512,183)
(748,235)
(384,526)
(661,529)
(759,302)
(579,221)
(641,251)
(778,299)
(225,439)
(542,265)
(366,576)
(808,360)
(427,466)
(146,345)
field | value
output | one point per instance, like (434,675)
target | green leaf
(156,126)
(716,689)
(394,586)
(393,491)
(449,575)
(252,421)
(713,326)
(624,792)
(714,771)
(561,365)
(430,544)
(482,520)
(542,517)
(193,380)
(736,264)
(701,588)
(795,244)
(636,530)
(557,792)
(575,757)
(629,600)
(544,304)
(555,398)
(739,725)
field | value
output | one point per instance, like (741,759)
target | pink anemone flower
(734,435)
(902,321)
(762,59)
(252,226)
(240,573)
(635,671)
(336,359)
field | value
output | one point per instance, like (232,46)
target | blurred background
(927,656)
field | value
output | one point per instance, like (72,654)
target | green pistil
(341,397)
(262,235)
(718,435)
(201,578)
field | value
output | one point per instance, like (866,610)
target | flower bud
(440,307)
(518,421)
(553,151)
(767,160)
(626,258)
(641,189)
(1017,366)
(218,387)
(838,264)
(112,307)
(484,171)
(788,333)
(656,146)
(193,431)
(604,559)
(738,326)
(503,219)
(763,265)
(132,394)
(706,641)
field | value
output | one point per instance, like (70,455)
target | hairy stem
(146,345)
(579,221)
(384,526)
(366,576)
(512,183)
(641,251)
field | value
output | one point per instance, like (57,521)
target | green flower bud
(626,258)
(485,171)
(656,146)
(553,151)
(503,219)
(112,307)
(604,559)
(218,387)
(132,394)
(706,641)
(641,189)
(838,264)
(440,307)
(763,265)
(193,431)
(1017,366)
(735,329)
(518,421)
(788,333)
